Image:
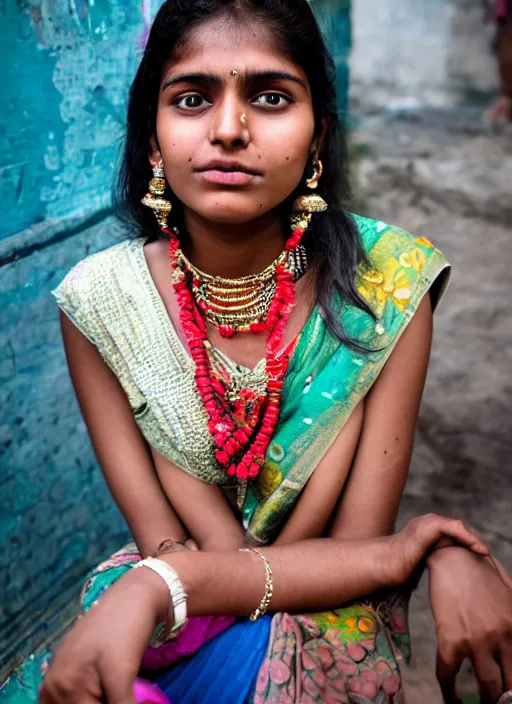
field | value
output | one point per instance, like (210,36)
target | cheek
(178,141)
(286,161)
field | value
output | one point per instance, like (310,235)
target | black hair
(332,241)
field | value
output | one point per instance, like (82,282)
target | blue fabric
(224,670)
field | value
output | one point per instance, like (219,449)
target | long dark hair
(332,240)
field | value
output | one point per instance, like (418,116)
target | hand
(472,605)
(411,545)
(170,545)
(100,658)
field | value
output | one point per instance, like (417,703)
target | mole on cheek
(385,452)
(287,158)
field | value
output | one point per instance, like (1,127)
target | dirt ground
(447,175)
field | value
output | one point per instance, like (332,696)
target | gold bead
(310,204)
(157,186)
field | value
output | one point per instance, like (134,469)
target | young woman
(250,369)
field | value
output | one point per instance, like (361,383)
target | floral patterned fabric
(349,655)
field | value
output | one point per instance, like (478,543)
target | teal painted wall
(67,66)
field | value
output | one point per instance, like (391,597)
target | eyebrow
(213,80)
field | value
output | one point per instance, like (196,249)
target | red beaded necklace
(241,449)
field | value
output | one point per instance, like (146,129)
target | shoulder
(88,287)
(400,267)
(92,273)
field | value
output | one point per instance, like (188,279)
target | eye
(191,102)
(277,100)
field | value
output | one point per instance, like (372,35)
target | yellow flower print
(423,241)
(366,625)
(415,259)
(270,478)
(393,282)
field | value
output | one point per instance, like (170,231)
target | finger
(488,675)
(191,545)
(449,661)
(456,529)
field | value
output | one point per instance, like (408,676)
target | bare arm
(370,501)
(368,462)
(119,445)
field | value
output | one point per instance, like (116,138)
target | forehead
(221,45)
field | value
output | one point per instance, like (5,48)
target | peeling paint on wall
(68,72)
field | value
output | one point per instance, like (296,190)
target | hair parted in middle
(332,241)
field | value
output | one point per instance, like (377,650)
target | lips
(228,167)
(230,173)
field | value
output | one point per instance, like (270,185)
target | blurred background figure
(501,11)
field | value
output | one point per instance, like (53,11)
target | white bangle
(178,599)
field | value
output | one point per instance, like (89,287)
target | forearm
(308,576)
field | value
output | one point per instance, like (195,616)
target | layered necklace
(257,303)
(242,304)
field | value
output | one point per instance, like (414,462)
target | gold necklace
(240,304)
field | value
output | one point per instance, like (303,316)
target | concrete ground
(445,174)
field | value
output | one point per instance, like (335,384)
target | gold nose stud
(234,72)
(243,120)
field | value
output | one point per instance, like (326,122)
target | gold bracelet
(269,586)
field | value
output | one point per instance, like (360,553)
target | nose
(226,127)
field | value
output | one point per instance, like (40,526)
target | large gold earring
(160,206)
(318,169)
(305,206)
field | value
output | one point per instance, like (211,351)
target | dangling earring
(318,169)
(160,206)
(305,206)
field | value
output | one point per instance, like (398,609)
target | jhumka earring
(305,206)
(160,206)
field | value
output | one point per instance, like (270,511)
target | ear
(154,154)
(319,141)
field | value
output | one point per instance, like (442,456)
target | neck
(233,250)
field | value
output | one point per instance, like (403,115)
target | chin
(229,210)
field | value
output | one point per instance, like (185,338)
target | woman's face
(222,169)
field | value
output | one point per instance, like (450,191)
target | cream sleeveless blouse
(112,299)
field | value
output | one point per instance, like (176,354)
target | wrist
(393,561)
(148,586)
(451,554)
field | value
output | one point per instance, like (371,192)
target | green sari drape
(326,380)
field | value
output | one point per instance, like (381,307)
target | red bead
(242,471)
(258,327)
(227,330)
(217,385)
(203,305)
(222,457)
(254,470)
(241,436)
